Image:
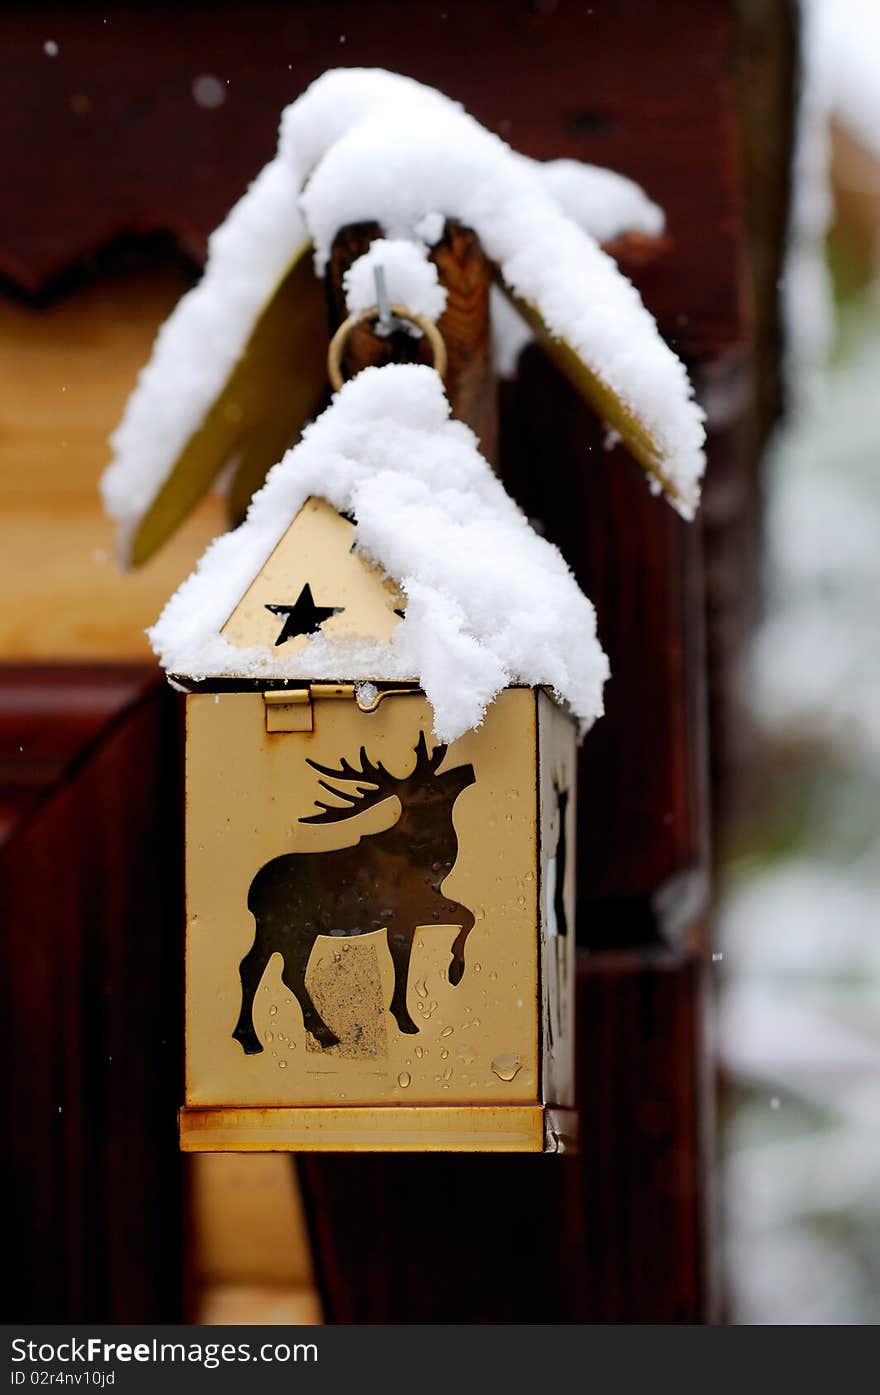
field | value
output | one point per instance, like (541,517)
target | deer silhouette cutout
(559,910)
(560,916)
(390,880)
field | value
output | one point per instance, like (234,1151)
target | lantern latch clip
(292,709)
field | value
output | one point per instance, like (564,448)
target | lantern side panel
(557,779)
(439,853)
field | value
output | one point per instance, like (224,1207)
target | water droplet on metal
(273,1009)
(282,1064)
(507,1066)
(270,1036)
(444,1055)
(404,1079)
(422,988)
(447,1031)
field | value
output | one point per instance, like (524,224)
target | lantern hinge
(289,709)
(292,709)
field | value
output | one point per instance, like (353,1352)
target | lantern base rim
(521,1128)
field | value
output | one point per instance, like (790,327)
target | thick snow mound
(488,602)
(367,144)
(602,202)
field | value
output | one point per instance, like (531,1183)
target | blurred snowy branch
(800,1026)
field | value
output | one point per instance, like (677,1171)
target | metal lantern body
(378,951)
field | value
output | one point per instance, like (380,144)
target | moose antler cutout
(391,880)
(379,783)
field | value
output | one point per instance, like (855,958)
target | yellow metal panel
(602,397)
(368,1129)
(316,551)
(247,792)
(275,388)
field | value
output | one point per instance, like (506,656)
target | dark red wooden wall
(105,150)
(90,962)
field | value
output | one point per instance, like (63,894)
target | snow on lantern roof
(488,602)
(364,144)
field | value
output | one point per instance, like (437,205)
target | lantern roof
(364,144)
(383,548)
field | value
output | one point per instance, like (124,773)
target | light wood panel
(259,1305)
(67,371)
(248,1221)
(251,1256)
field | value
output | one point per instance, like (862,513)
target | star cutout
(303,618)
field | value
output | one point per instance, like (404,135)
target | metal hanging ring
(340,339)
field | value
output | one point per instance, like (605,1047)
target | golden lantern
(359,984)
(377,947)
